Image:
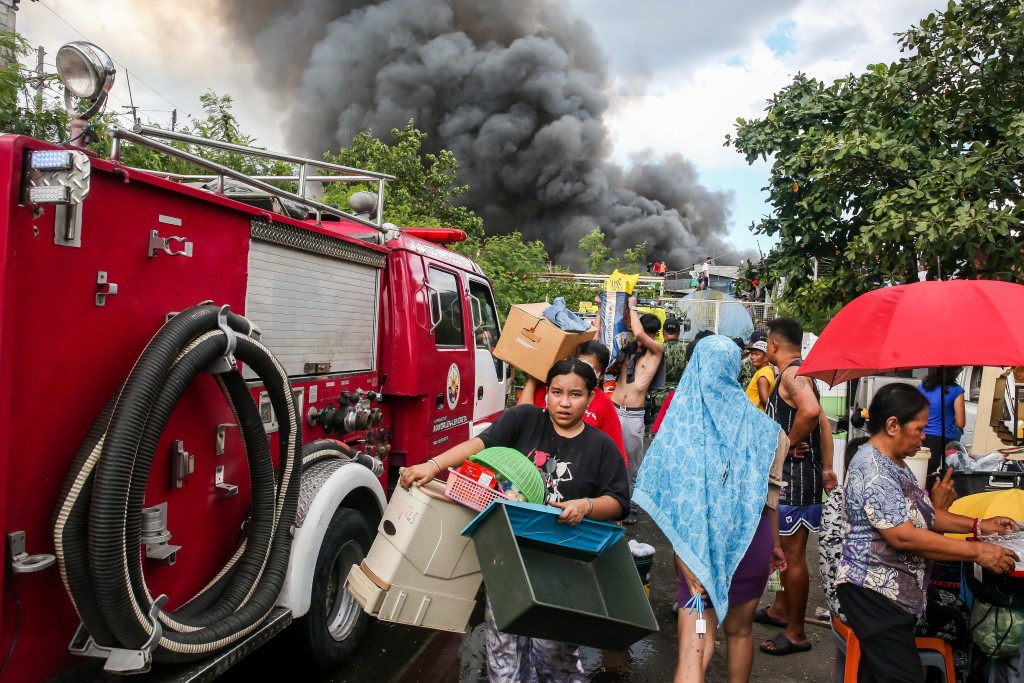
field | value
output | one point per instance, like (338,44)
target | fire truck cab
(203,396)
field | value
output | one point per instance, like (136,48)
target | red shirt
(600,413)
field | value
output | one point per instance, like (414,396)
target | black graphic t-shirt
(587,465)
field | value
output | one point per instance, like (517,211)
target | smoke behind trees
(517,89)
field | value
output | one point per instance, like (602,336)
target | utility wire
(56,94)
(68,24)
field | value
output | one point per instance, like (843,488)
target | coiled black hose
(97,528)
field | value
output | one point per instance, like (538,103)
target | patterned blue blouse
(881,495)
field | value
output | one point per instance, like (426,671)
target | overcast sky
(683,71)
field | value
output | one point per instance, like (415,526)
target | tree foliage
(218,123)
(513,265)
(17,114)
(916,162)
(635,258)
(598,253)
(424,193)
(516,270)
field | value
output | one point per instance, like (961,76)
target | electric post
(40,78)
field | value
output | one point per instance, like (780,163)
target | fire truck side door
(492,375)
(451,364)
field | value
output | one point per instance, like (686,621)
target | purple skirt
(752,574)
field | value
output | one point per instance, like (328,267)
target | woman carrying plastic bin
(710,481)
(586,477)
(601,411)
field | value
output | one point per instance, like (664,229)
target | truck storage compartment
(316,298)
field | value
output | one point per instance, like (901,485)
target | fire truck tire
(332,629)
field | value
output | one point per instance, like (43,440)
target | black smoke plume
(517,89)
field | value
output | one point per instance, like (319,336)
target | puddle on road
(604,666)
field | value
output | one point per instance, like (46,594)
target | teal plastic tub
(548,591)
(538,524)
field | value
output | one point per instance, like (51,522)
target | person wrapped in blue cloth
(711,482)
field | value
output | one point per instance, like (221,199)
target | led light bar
(49,194)
(51,160)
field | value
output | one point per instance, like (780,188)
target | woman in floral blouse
(945,614)
(891,531)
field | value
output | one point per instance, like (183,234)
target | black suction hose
(97,528)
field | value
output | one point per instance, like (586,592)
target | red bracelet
(977,527)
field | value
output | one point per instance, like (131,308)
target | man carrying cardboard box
(637,366)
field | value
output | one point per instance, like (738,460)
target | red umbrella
(925,324)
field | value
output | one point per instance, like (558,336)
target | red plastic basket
(468,492)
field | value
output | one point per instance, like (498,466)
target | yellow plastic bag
(621,282)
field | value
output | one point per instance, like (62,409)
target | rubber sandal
(761,616)
(784,646)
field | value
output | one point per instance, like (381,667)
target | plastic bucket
(918,464)
(839,442)
(643,568)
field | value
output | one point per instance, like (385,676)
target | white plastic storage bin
(420,570)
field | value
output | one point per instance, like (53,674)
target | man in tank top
(807,470)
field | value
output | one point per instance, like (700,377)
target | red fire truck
(203,394)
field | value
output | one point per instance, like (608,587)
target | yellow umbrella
(990,504)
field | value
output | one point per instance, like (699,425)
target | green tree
(636,258)
(218,123)
(598,253)
(916,162)
(17,115)
(424,193)
(514,265)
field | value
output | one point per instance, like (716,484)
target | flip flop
(761,616)
(784,646)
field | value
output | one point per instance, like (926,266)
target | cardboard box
(530,342)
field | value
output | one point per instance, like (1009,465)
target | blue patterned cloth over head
(705,477)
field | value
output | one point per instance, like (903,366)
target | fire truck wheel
(335,623)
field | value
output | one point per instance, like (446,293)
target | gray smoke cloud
(517,89)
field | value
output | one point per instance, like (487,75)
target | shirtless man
(637,367)
(807,470)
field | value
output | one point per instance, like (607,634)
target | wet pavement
(405,654)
